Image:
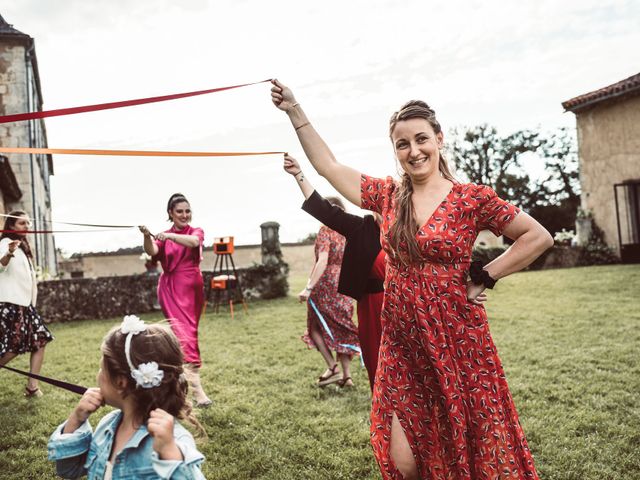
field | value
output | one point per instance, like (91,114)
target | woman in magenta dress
(181,287)
(321,293)
(441,407)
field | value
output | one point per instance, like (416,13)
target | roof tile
(628,86)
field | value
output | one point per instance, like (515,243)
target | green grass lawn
(569,340)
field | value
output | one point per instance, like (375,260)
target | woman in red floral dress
(336,309)
(441,405)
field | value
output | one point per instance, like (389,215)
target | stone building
(608,122)
(24,178)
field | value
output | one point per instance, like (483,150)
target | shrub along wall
(558,256)
(108,297)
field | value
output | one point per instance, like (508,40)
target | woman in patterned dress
(181,287)
(363,262)
(321,293)
(441,405)
(21,328)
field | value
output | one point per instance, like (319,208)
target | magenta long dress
(181,290)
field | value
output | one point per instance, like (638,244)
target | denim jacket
(86,453)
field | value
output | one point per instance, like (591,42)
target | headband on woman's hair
(176,198)
(147,375)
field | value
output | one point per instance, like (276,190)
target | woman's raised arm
(344,179)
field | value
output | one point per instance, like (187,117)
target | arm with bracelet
(316,273)
(330,215)
(344,179)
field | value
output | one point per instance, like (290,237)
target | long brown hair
(10,224)
(403,231)
(156,344)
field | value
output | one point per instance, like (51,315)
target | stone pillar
(583,231)
(270,248)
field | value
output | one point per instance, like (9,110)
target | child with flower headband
(141,375)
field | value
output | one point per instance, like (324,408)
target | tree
(560,185)
(561,167)
(310,238)
(484,157)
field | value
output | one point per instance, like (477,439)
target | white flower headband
(147,375)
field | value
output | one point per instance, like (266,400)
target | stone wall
(108,297)
(92,298)
(609,148)
(299,257)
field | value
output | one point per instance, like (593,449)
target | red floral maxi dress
(336,309)
(439,369)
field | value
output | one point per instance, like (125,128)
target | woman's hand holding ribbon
(145,231)
(291,165)
(282,97)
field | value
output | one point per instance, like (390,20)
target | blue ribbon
(328,330)
(324,324)
(357,349)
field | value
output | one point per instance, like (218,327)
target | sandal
(206,404)
(333,371)
(342,383)
(332,377)
(32,392)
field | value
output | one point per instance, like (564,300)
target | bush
(269,281)
(597,252)
(309,238)
(487,254)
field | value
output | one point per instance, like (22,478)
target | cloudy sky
(350,64)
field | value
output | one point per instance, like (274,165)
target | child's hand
(91,401)
(160,427)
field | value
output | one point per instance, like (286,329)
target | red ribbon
(76,224)
(24,232)
(107,106)
(129,153)
(79,389)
